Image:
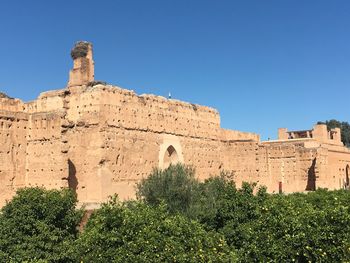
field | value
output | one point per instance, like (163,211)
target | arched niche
(170,157)
(170,151)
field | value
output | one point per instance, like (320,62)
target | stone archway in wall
(170,151)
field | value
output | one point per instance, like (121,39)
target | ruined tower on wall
(83,65)
(100,139)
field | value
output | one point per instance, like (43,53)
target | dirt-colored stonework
(100,139)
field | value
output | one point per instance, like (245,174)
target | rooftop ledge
(290,140)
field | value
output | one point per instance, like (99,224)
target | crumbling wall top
(10,104)
(319,133)
(4,96)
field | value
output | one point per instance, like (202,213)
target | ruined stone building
(100,139)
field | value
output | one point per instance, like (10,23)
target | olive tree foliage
(38,225)
(136,232)
(176,186)
(215,202)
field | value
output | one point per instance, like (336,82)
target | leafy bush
(136,232)
(292,228)
(234,210)
(38,224)
(176,186)
(216,203)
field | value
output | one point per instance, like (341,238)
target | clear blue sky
(263,64)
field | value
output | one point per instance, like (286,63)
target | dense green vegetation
(38,224)
(262,227)
(179,219)
(136,232)
(344,129)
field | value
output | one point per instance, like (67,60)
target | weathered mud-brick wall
(128,156)
(336,168)
(13,143)
(123,108)
(46,159)
(239,158)
(287,167)
(83,133)
(308,170)
(84,160)
(116,138)
(137,133)
(203,154)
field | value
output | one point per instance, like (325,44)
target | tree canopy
(38,224)
(136,232)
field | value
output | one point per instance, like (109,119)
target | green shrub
(292,228)
(38,225)
(176,186)
(136,232)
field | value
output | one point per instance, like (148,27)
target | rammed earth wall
(100,140)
